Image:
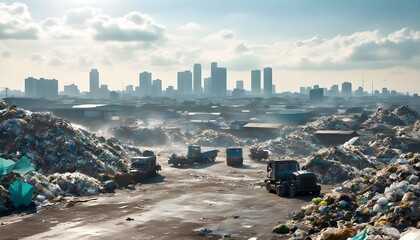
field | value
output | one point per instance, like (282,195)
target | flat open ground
(177,204)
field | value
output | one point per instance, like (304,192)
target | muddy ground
(208,201)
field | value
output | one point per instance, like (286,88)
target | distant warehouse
(334,137)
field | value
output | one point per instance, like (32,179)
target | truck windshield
(287,167)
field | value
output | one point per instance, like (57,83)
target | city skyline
(304,42)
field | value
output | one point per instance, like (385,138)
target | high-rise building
(197,78)
(94,83)
(256,82)
(316,95)
(71,90)
(268,81)
(302,90)
(220,85)
(346,89)
(213,76)
(184,82)
(42,88)
(207,86)
(240,84)
(157,87)
(104,91)
(145,83)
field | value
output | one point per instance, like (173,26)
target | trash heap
(141,136)
(66,160)
(296,144)
(400,116)
(212,138)
(335,165)
(326,123)
(386,148)
(379,204)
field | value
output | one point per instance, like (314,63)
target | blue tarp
(21,193)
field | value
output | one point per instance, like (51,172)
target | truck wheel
(292,191)
(281,191)
(268,187)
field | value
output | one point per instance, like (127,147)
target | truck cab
(144,166)
(284,177)
(234,156)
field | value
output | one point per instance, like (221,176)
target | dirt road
(209,201)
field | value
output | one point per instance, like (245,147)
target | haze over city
(304,42)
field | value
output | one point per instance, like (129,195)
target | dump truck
(284,177)
(234,156)
(258,154)
(194,155)
(144,166)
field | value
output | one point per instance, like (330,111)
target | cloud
(16,22)
(37,57)
(55,62)
(243,63)
(6,54)
(80,16)
(132,27)
(360,50)
(227,34)
(242,47)
(190,27)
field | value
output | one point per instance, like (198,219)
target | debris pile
(296,144)
(141,135)
(335,165)
(212,138)
(326,123)
(66,160)
(380,204)
(400,116)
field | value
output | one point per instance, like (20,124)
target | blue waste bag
(23,166)
(6,166)
(21,193)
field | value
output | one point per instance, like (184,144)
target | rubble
(295,144)
(66,160)
(381,203)
(401,116)
(212,138)
(326,123)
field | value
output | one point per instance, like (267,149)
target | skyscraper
(240,84)
(213,77)
(42,88)
(157,87)
(197,78)
(207,86)
(221,82)
(184,82)
(145,83)
(268,81)
(94,83)
(256,82)
(346,89)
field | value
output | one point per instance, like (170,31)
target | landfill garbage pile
(336,165)
(376,205)
(400,116)
(386,148)
(325,123)
(296,144)
(54,146)
(212,138)
(42,152)
(141,136)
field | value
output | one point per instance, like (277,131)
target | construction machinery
(194,155)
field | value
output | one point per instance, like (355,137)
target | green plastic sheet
(6,166)
(21,193)
(23,166)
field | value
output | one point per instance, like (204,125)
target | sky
(306,42)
